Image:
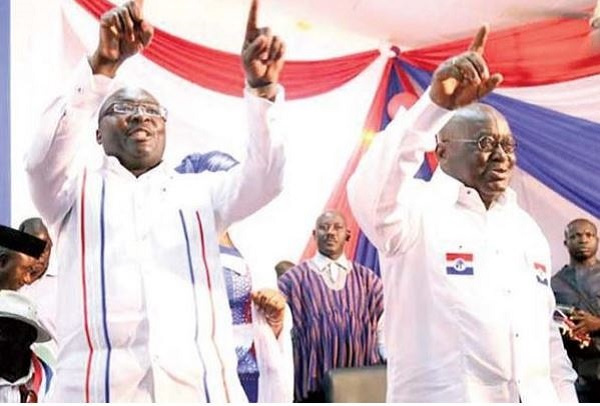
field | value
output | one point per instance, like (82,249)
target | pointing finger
(480,39)
(251,24)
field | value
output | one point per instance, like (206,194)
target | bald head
(581,222)
(331,234)
(468,120)
(36,227)
(581,240)
(131,127)
(477,148)
(128,94)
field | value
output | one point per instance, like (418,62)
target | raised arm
(259,178)
(50,164)
(382,194)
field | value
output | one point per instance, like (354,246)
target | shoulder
(366,273)
(296,273)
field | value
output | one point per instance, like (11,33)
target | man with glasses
(143,312)
(465,270)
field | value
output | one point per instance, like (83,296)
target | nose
(139,114)
(499,154)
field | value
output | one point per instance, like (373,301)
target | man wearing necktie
(336,307)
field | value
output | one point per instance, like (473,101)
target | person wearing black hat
(19,253)
(24,378)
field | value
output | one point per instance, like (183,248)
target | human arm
(381,193)
(51,163)
(259,177)
(274,351)
(271,303)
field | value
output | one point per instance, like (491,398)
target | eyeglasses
(488,143)
(125,108)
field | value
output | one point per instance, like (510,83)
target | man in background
(577,286)
(336,306)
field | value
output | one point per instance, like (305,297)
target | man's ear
(27,278)
(4,259)
(348,235)
(98,137)
(314,234)
(440,151)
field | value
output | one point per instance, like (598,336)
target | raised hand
(465,78)
(123,33)
(272,304)
(262,54)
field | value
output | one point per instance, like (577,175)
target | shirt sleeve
(50,163)
(259,177)
(275,360)
(382,193)
(561,370)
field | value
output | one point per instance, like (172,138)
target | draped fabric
(222,71)
(539,53)
(557,150)
(550,95)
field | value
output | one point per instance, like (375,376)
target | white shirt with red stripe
(468,316)
(142,311)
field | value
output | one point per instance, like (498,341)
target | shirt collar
(112,163)
(321,262)
(455,191)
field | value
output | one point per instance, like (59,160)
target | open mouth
(139,134)
(497,174)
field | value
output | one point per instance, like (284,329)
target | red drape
(339,198)
(222,72)
(539,53)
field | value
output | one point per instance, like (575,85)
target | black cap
(19,241)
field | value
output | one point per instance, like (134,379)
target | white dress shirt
(332,271)
(142,312)
(467,296)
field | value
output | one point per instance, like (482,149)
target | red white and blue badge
(540,273)
(459,263)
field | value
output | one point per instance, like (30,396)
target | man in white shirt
(465,270)
(142,311)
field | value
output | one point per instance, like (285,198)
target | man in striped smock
(142,305)
(336,307)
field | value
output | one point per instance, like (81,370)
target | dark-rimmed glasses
(486,142)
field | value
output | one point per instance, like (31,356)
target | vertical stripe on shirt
(212,305)
(84,289)
(48,375)
(195,295)
(37,374)
(103,287)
